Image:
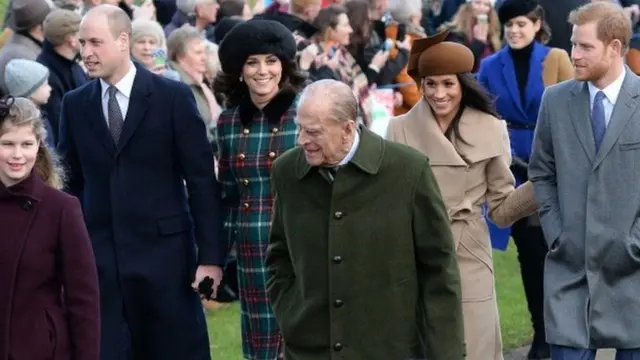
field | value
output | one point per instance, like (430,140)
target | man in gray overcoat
(362,263)
(586,172)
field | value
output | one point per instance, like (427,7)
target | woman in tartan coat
(260,81)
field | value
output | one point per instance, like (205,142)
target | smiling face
(480,7)
(591,57)
(342,31)
(18,152)
(443,93)
(262,74)
(324,140)
(521,31)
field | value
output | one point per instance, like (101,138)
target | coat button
(27,205)
(338,215)
(337,259)
(275,130)
(337,346)
(246,205)
(272,155)
(245,182)
(246,131)
(338,303)
(241,156)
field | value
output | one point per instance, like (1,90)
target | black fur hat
(256,36)
(514,8)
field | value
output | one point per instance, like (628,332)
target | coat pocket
(174,225)
(476,268)
(629,146)
(57,333)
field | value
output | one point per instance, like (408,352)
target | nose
(262,68)
(302,139)
(85,51)
(439,93)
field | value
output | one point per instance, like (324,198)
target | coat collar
(273,111)
(480,130)
(32,187)
(534,84)
(368,157)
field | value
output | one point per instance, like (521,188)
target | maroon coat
(45,247)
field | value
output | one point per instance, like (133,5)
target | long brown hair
(358,14)
(22,112)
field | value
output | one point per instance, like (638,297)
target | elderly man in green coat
(361,258)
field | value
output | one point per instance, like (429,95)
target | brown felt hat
(433,56)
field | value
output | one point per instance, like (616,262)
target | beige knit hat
(59,24)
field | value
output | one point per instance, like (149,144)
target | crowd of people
(342,169)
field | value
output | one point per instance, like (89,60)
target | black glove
(206,288)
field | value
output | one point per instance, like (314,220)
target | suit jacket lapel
(581,117)
(509,75)
(96,118)
(138,104)
(624,108)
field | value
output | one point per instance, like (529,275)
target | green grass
(224,324)
(224,327)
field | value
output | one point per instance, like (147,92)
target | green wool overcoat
(364,268)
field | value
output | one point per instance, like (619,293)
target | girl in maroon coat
(49,300)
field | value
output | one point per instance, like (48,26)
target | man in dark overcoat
(131,140)
(361,260)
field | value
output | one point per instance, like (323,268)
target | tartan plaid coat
(249,141)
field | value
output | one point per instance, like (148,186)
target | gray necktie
(597,119)
(115,115)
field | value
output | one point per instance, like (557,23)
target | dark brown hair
(474,96)
(544,34)
(233,90)
(358,14)
(327,19)
(229,8)
(22,112)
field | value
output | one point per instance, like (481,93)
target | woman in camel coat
(469,151)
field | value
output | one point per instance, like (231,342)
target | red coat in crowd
(45,247)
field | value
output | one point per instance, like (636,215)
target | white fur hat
(402,10)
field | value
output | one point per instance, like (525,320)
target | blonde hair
(463,20)
(16,112)
(611,22)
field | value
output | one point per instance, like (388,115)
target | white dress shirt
(611,93)
(123,95)
(352,151)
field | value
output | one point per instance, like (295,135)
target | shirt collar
(352,152)
(125,84)
(611,92)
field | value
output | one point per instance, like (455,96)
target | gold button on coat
(275,130)
(241,156)
(246,131)
(272,155)
(245,181)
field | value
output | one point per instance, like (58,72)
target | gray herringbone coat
(589,206)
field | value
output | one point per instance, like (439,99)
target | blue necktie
(597,119)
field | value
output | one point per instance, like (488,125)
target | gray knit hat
(24,77)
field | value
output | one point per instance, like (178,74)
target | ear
(616,47)
(537,25)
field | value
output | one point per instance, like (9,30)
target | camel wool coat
(474,174)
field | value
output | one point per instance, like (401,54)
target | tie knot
(112,90)
(600,96)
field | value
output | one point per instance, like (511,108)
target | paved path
(521,354)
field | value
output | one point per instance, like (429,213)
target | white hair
(403,10)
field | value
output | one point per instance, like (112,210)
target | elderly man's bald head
(334,96)
(118,20)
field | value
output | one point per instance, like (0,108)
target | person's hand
(405,44)
(481,32)
(158,69)
(212,271)
(307,57)
(398,99)
(333,62)
(146,11)
(380,59)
